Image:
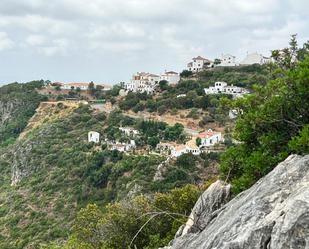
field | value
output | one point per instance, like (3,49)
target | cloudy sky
(107,40)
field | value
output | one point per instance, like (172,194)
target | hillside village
(208,139)
(80,161)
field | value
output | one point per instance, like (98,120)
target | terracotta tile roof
(78,84)
(201,58)
(192,144)
(180,147)
(153,75)
(207,134)
(58,83)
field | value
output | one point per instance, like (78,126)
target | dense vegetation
(190,93)
(121,206)
(61,173)
(17,105)
(151,132)
(273,124)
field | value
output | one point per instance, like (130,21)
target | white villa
(227,60)
(199,64)
(222,87)
(93,136)
(143,82)
(129,131)
(176,150)
(171,77)
(210,138)
(122,147)
(255,58)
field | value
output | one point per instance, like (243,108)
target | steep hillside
(17,105)
(52,171)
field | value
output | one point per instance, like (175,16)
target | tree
(163,84)
(140,222)
(186,74)
(198,141)
(273,117)
(91,88)
(78,90)
(217,61)
(153,141)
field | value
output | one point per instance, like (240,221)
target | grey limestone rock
(272,214)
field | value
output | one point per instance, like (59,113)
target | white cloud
(5,41)
(35,40)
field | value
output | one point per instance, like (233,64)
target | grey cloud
(116,38)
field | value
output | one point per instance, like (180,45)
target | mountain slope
(17,105)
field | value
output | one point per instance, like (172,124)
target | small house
(93,136)
(210,138)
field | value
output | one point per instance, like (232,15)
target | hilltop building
(199,64)
(81,86)
(171,77)
(143,82)
(227,60)
(255,58)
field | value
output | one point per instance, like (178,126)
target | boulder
(272,214)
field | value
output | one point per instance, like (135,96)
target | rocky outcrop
(272,214)
(7,109)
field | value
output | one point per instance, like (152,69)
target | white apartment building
(223,87)
(227,60)
(255,58)
(199,64)
(143,82)
(171,77)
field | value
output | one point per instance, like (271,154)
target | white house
(223,87)
(218,88)
(171,77)
(227,60)
(255,58)
(199,64)
(143,82)
(129,131)
(123,147)
(93,136)
(176,150)
(210,138)
(81,86)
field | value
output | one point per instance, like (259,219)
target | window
(210,141)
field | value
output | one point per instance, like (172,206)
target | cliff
(273,213)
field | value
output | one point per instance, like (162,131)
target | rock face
(272,214)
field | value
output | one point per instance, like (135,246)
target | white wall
(93,137)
